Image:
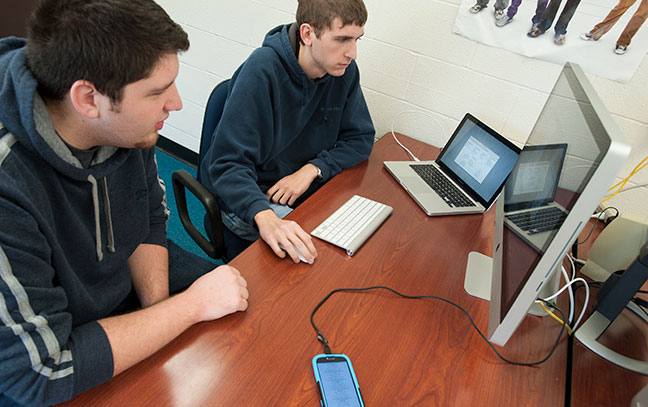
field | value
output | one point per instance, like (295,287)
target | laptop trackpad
(416,185)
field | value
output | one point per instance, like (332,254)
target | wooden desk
(405,352)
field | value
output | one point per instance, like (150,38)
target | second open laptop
(467,176)
(530,207)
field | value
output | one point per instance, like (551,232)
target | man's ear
(307,34)
(85,98)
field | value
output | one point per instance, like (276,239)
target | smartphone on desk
(337,381)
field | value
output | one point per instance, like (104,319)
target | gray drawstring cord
(111,236)
(95,201)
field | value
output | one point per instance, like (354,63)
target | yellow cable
(633,172)
(620,188)
(569,331)
(624,181)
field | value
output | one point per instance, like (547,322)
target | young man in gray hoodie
(82,209)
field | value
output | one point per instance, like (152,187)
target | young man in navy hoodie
(82,210)
(295,117)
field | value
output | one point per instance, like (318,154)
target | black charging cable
(607,222)
(327,349)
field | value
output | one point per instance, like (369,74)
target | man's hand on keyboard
(289,188)
(274,230)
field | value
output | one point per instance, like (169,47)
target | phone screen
(337,383)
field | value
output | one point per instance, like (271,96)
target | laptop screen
(478,159)
(534,179)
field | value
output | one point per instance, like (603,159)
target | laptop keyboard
(538,221)
(442,185)
(353,223)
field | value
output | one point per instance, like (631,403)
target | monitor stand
(477,281)
(479,271)
(594,327)
(614,296)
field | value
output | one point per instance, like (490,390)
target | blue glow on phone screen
(339,389)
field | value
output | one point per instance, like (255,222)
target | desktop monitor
(574,120)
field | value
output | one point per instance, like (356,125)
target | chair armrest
(215,246)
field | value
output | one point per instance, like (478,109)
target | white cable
(586,298)
(571,298)
(602,216)
(566,286)
(642,308)
(578,261)
(404,148)
(572,260)
(573,276)
(628,189)
(572,303)
(419,112)
(584,305)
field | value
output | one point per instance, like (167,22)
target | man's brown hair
(321,13)
(109,43)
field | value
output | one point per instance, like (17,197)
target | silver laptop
(467,176)
(530,207)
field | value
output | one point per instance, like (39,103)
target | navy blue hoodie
(276,120)
(65,237)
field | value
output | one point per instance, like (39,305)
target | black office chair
(213,245)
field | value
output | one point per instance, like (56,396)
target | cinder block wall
(409,59)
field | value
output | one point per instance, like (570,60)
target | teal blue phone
(337,381)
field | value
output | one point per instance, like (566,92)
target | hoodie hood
(23,113)
(283,40)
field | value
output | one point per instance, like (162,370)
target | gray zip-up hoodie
(66,234)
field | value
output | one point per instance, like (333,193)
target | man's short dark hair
(109,43)
(321,13)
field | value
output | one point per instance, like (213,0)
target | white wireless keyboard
(352,224)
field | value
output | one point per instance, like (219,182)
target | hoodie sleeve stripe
(167,212)
(49,339)
(6,141)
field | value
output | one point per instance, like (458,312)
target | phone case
(317,377)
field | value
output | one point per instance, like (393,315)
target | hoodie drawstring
(95,201)
(111,236)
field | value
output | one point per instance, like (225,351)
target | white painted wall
(409,59)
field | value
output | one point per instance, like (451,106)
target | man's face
(136,120)
(335,48)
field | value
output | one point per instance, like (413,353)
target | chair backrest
(213,113)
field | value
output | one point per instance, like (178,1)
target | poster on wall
(605,37)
